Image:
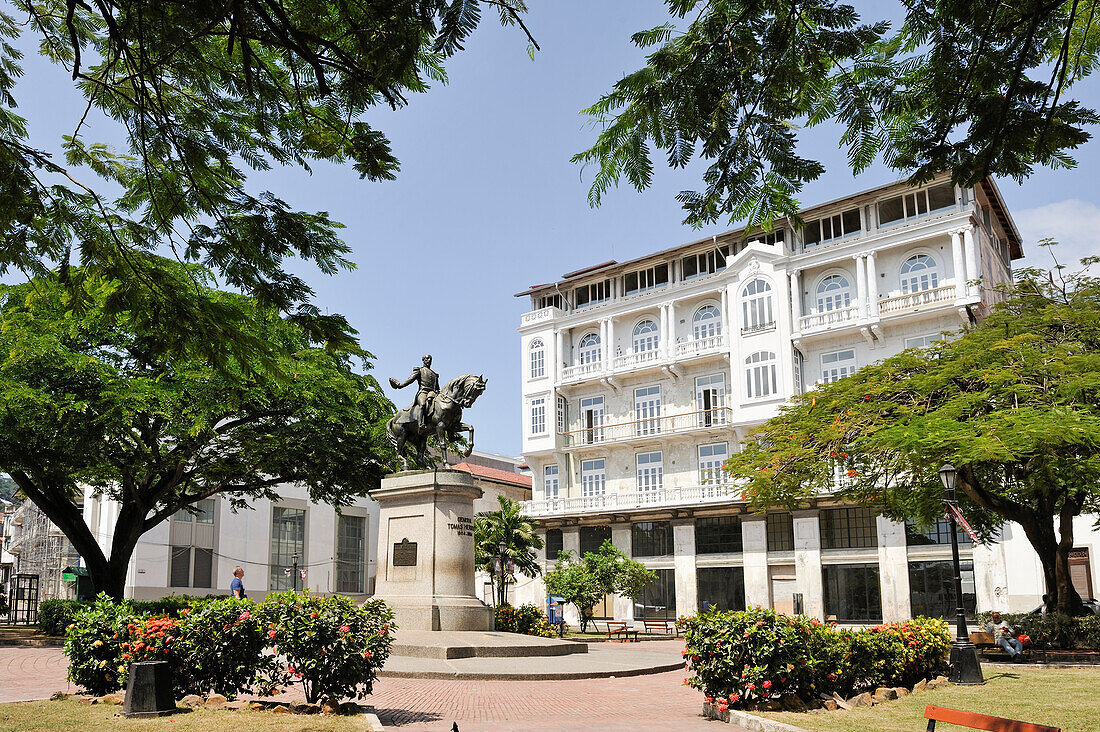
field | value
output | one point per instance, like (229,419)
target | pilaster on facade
(754,539)
(893,560)
(807,563)
(683,539)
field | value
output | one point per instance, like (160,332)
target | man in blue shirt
(236,587)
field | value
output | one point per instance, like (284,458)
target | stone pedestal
(426,551)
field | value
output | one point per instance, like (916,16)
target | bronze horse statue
(442,419)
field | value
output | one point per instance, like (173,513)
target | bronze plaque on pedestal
(404,554)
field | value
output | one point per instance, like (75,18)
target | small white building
(640,378)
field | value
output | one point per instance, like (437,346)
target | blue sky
(488,203)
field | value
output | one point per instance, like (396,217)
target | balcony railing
(914,300)
(634,360)
(699,346)
(648,427)
(761,328)
(828,319)
(580,370)
(680,495)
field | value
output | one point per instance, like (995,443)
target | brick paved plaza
(417,705)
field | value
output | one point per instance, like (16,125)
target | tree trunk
(1053,552)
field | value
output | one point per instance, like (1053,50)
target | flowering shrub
(526,619)
(93,643)
(740,658)
(224,644)
(333,645)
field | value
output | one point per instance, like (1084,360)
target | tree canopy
(587,581)
(976,87)
(1013,404)
(508,526)
(90,398)
(201,94)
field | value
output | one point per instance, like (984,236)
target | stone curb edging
(748,721)
(534,676)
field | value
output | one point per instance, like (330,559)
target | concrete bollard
(149,690)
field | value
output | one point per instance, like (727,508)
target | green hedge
(54,616)
(1052,631)
(526,619)
(742,658)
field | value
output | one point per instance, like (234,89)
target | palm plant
(509,535)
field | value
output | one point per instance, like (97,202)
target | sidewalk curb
(748,721)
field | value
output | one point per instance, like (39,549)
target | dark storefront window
(718,535)
(852,593)
(780,532)
(721,587)
(651,539)
(932,589)
(937,533)
(848,528)
(593,537)
(554,544)
(658,600)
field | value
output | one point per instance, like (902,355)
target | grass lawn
(72,716)
(1065,698)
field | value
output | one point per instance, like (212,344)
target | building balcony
(699,347)
(535,316)
(581,371)
(633,361)
(829,319)
(634,500)
(648,428)
(944,295)
(682,351)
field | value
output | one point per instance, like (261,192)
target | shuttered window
(204,564)
(180,566)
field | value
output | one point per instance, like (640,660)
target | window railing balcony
(654,497)
(637,359)
(535,316)
(828,319)
(648,426)
(581,370)
(761,328)
(699,346)
(916,300)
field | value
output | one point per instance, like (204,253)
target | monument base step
(474,644)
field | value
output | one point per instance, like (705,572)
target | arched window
(707,322)
(919,273)
(756,299)
(647,336)
(760,379)
(538,359)
(590,348)
(833,293)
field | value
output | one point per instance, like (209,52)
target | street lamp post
(965,667)
(294,573)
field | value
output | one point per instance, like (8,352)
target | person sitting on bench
(1005,636)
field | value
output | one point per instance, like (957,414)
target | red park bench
(980,721)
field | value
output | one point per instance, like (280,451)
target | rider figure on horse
(428,382)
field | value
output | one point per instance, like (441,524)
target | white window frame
(711,458)
(759,315)
(833,292)
(647,410)
(537,351)
(590,349)
(914,280)
(706,322)
(593,433)
(836,365)
(550,484)
(647,279)
(715,413)
(923,341)
(646,337)
(562,414)
(593,478)
(538,416)
(649,474)
(915,205)
(761,380)
(833,227)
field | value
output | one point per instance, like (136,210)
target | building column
(605,349)
(872,286)
(671,337)
(861,287)
(958,263)
(611,342)
(893,567)
(991,576)
(754,542)
(973,270)
(807,563)
(620,537)
(725,318)
(796,303)
(687,589)
(559,337)
(664,332)
(571,542)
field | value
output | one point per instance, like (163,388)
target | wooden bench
(659,626)
(987,645)
(980,721)
(621,631)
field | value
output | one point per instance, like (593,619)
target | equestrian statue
(434,411)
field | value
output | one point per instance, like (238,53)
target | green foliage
(334,645)
(741,658)
(977,88)
(54,616)
(93,643)
(517,532)
(525,619)
(86,400)
(1053,631)
(201,94)
(1013,404)
(598,574)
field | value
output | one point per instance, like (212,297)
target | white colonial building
(640,378)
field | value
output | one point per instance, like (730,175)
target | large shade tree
(89,397)
(1013,404)
(194,96)
(975,87)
